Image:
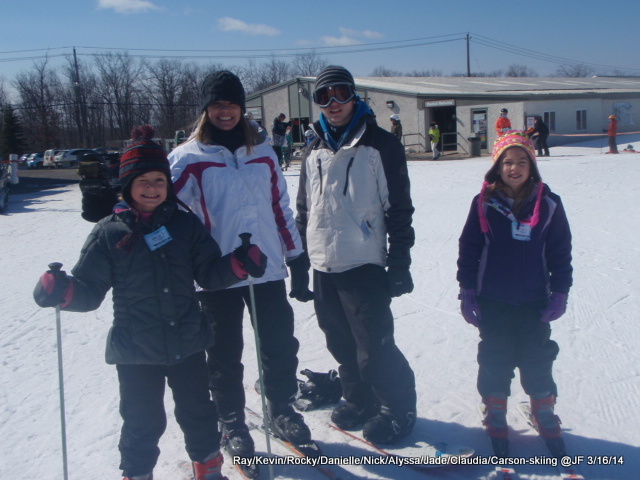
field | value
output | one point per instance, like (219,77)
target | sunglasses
(341,93)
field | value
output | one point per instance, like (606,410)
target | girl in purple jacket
(514,270)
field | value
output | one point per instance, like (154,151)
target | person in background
(228,174)
(288,151)
(150,253)
(514,270)
(612,131)
(278,136)
(503,124)
(354,200)
(396,126)
(434,138)
(540,133)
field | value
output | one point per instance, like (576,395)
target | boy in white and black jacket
(354,199)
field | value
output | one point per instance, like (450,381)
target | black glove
(97,201)
(319,390)
(399,281)
(299,270)
(51,288)
(251,260)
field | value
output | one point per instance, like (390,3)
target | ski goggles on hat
(340,93)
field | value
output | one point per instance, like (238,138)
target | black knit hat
(143,156)
(334,75)
(222,85)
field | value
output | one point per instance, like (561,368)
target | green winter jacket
(434,135)
(157,319)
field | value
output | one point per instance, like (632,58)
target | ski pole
(55,268)
(246,241)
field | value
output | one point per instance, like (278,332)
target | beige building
(467,107)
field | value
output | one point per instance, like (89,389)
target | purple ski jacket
(500,267)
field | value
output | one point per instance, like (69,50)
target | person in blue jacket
(514,270)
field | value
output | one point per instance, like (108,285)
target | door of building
(445,117)
(479,125)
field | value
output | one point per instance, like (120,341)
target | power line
(281,55)
(228,54)
(507,47)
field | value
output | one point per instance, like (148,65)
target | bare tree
(385,72)
(515,70)
(256,77)
(425,73)
(166,84)
(574,71)
(4,96)
(120,90)
(308,64)
(40,106)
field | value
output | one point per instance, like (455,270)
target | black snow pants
(279,347)
(354,312)
(512,336)
(542,146)
(142,410)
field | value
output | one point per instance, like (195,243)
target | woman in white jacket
(228,174)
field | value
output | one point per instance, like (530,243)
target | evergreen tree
(11,134)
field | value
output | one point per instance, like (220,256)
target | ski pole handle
(246,240)
(55,267)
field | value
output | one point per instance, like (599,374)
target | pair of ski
(509,473)
(334,472)
(432,455)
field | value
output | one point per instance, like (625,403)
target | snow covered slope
(598,369)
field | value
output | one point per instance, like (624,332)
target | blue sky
(597,32)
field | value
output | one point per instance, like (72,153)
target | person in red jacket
(503,124)
(612,131)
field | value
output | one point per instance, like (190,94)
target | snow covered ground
(598,369)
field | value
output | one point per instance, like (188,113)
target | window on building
(581,120)
(549,119)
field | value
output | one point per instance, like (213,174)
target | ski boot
(237,442)
(547,423)
(236,439)
(495,421)
(350,416)
(211,469)
(287,424)
(388,428)
(146,476)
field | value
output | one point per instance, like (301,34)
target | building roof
(500,86)
(491,87)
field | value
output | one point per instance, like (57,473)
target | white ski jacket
(234,193)
(352,202)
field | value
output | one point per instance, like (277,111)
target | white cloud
(360,33)
(339,41)
(228,24)
(128,6)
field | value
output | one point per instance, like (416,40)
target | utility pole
(468,62)
(80,110)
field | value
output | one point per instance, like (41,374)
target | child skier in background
(150,253)
(514,270)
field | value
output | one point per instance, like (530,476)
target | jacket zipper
(346,183)
(319,163)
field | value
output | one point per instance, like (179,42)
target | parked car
(70,158)
(35,160)
(49,157)
(23,159)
